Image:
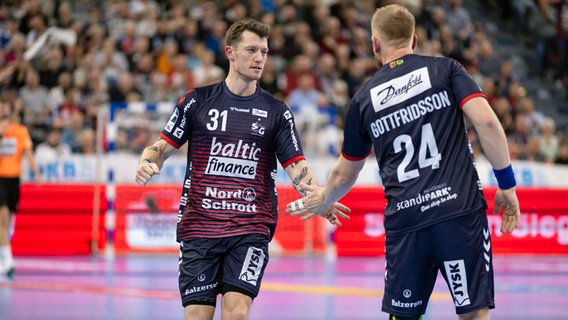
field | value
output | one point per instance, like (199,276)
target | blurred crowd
(320,52)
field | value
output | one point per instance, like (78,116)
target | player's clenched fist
(145,171)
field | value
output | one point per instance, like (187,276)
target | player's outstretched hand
(145,171)
(507,201)
(314,204)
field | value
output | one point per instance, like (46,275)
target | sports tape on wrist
(505,177)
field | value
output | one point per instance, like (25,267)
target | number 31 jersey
(234,145)
(410,113)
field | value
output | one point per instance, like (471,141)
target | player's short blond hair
(394,24)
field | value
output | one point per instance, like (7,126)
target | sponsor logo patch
(457,277)
(400,89)
(252,266)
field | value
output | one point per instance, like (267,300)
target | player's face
(249,56)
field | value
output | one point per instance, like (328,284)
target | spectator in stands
(543,27)
(299,66)
(305,101)
(112,62)
(181,77)
(64,112)
(51,65)
(269,78)
(561,40)
(459,19)
(15,144)
(52,149)
(532,151)
(56,94)
(37,110)
(333,35)
(488,61)
(70,133)
(165,56)
(548,140)
(504,113)
(523,11)
(506,77)
(124,86)
(356,75)
(562,157)
(207,72)
(38,26)
(519,138)
(86,142)
(534,117)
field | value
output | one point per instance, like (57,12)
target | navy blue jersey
(235,144)
(410,113)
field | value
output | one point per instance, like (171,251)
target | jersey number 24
(428,146)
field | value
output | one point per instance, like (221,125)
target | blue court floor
(144,287)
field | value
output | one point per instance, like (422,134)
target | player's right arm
(494,144)
(152,159)
(341,178)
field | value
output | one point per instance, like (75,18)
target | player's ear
(376,46)
(414,41)
(229,52)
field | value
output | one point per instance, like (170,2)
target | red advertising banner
(70,219)
(543,229)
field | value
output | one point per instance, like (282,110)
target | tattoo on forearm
(299,178)
(153,148)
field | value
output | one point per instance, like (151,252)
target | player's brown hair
(233,35)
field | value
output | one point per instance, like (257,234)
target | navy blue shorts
(10,193)
(209,267)
(459,248)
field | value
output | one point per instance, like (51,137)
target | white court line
(58,265)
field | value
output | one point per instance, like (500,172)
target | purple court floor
(316,288)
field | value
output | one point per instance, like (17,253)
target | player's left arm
(494,145)
(302,177)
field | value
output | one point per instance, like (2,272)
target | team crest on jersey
(258,129)
(249,194)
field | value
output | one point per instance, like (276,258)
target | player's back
(411,112)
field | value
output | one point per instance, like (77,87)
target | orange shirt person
(15,143)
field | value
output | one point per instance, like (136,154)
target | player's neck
(395,54)
(240,87)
